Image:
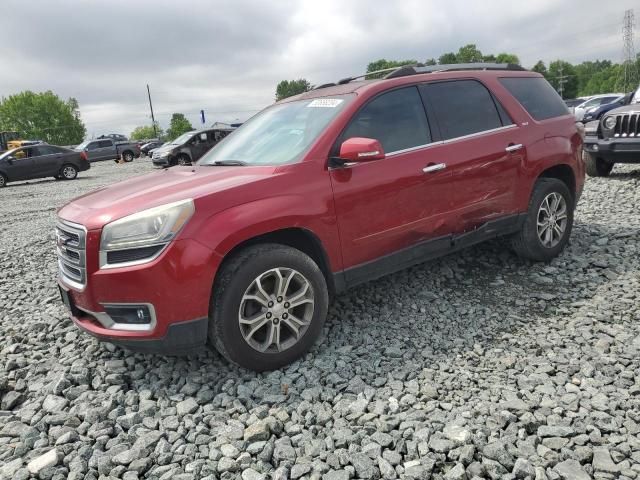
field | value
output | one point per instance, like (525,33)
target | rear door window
(396,118)
(463,107)
(105,144)
(536,95)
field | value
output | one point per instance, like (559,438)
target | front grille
(71,241)
(627,125)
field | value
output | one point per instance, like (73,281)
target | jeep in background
(315,194)
(188,147)
(614,139)
(108,149)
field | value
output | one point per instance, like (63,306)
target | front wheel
(68,172)
(597,167)
(184,160)
(548,223)
(268,307)
(3,180)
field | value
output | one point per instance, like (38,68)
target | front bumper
(161,161)
(176,286)
(616,150)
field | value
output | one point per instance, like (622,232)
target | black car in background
(40,161)
(144,149)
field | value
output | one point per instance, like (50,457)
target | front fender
(225,230)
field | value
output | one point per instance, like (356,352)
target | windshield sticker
(325,102)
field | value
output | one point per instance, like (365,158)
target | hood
(99,207)
(165,148)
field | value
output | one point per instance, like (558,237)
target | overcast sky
(226,57)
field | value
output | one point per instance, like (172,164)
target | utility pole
(629,78)
(562,79)
(153,120)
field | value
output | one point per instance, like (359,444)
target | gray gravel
(479,365)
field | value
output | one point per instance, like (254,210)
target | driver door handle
(513,147)
(434,167)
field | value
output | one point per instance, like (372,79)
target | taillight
(83,155)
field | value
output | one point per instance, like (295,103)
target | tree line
(583,79)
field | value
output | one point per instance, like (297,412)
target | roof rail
(406,70)
(414,70)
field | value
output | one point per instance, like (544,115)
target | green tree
(430,61)
(447,58)
(178,125)
(383,64)
(144,132)
(540,67)
(469,54)
(288,88)
(507,58)
(561,71)
(42,116)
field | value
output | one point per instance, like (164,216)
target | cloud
(227,57)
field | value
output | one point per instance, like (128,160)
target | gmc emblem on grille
(62,240)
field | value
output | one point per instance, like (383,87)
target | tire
(127,156)
(244,343)
(533,243)
(68,172)
(3,180)
(183,160)
(597,167)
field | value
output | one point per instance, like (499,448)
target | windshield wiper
(229,163)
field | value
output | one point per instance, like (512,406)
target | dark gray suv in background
(41,161)
(188,147)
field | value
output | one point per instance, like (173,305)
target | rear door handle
(434,167)
(513,148)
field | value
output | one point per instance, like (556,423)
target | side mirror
(360,149)
(11,159)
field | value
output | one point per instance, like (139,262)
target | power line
(629,77)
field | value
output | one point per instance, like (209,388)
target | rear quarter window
(537,96)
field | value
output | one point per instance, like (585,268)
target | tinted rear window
(537,96)
(463,107)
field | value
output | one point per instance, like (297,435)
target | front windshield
(279,134)
(83,145)
(182,138)
(9,153)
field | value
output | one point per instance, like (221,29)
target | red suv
(315,194)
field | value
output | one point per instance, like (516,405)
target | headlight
(609,123)
(134,237)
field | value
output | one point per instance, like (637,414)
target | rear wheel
(597,167)
(548,223)
(268,307)
(127,156)
(68,172)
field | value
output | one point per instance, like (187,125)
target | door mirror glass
(360,149)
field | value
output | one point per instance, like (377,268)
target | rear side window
(463,107)
(536,96)
(396,118)
(104,144)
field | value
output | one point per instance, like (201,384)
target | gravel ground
(478,365)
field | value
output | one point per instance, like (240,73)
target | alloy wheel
(69,172)
(552,220)
(276,310)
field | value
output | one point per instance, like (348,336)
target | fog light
(129,314)
(595,148)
